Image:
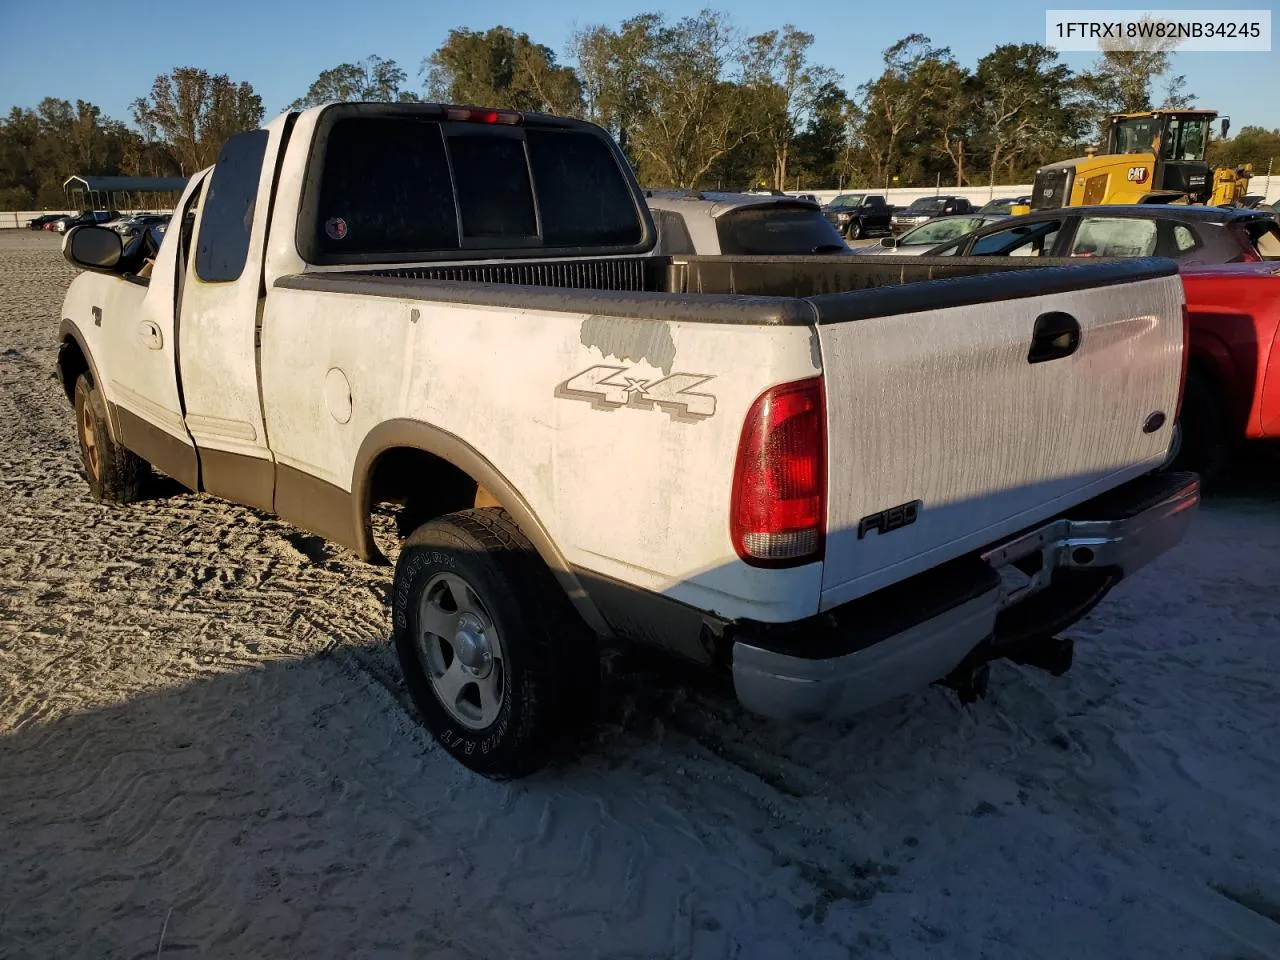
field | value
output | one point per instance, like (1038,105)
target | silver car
(717,224)
(938,230)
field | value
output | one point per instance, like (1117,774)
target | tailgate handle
(1055,335)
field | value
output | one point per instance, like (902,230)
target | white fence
(898,196)
(901,196)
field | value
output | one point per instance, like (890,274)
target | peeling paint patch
(815,349)
(632,340)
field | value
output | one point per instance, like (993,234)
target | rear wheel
(855,230)
(115,475)
(496,661)
(1205,446)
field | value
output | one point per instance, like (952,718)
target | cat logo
(609,387)
(1138,174)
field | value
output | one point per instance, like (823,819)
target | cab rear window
(414,186)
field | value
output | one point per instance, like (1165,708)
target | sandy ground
(205,751)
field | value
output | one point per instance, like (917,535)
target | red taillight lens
(471,115)
(778,512)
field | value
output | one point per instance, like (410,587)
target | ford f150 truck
(832,479)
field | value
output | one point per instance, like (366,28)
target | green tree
(1026,106)
(372,79)
(1124,77)
(195,112)
(40,148)
(899,106)
(784,89)
(613,67)
(673,93)
(1256,145)
(501,68)
(827,138)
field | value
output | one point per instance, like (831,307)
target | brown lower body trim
(162,450)
(318,506)
(239,478)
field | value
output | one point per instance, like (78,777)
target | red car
(1233,369)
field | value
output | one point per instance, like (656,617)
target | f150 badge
(608,388)
(886,521)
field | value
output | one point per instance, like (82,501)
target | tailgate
(932,399)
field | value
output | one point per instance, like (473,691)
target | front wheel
(492,658)
(115,475)
(855,230)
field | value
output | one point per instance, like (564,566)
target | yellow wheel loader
(1153,157)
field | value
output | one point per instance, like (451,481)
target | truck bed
(931,394)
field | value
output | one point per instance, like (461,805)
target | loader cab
(1176,142)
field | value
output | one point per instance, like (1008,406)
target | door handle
(1055,335)
(150,333)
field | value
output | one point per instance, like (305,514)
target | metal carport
(120,193)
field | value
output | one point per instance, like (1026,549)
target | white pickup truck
(834,479)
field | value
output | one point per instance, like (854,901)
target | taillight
(778,511)
(474,115)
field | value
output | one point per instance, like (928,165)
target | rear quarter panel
(626,490)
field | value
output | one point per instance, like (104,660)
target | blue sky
(281,45)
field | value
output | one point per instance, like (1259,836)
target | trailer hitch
(972,677)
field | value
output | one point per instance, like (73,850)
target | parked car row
(858,215)
(127,225)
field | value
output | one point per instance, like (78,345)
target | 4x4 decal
(609,387)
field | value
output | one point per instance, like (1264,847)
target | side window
(183,223)
(1114,237)
(228,216)
(187,225)
(1183,238)
(673,234)
(1024,240)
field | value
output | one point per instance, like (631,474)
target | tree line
(693,102)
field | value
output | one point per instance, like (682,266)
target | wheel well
(71,363)
(423,486)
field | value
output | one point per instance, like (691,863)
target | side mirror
(888,241)
(91,247)
(1226,125)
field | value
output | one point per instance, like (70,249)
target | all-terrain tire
(549,660)
(114,474)
(1206,444)
(854,232)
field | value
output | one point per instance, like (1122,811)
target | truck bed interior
(742,290)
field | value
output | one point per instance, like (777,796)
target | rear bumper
(874,649)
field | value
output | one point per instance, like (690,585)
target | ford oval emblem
(1154,422)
